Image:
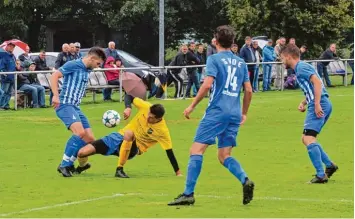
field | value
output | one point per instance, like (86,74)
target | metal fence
(279,75)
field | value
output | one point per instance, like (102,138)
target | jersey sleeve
(140,104)
(211,67)
(68,68)
(305,71)
(165,140)
(245,73)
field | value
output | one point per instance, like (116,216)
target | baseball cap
(269,41)
(77,44)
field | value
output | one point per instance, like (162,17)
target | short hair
(291,50)
(280,38)
(292,39)
(98,52)
(247,38)
(225,36)
(157,110)
(191,42)
(42,51)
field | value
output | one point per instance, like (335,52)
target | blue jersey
(304,71)
(76,77)
(230,73)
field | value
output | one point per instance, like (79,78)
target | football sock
(193,171)
(324,156)
(235,168)
(71,149)
(83,161)
(316,158)
(124,152)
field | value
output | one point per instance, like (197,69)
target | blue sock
(316,158)
(235,168)
(325,159)
(71,150)
(193,171)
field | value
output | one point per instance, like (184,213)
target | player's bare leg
(83,161)
(226,159)
(125,149)
(195,164)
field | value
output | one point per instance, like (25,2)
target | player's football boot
(248,191)
(331,170)
(183,199)
(71,169)
(80,169)
(120,173)
(65,171)
(319,180)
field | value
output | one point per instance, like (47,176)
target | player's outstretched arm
(54,86)
(173,161)
(202,92)
(248,92)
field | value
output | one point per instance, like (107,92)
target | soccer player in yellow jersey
(146,129)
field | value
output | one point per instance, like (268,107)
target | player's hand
(178,173)
(244,118)
(301,107)
(127,113)
(188,111)
(55,102)
(318,110)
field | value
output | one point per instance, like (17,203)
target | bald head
(65,47)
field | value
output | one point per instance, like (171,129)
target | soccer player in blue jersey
(66,104)
(319,110)
(226,74)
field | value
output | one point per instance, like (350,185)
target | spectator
(234,49)
(192,72)
(330,53)
(111,75)
(111,50)
(173,74)
(303,51)
(351,63)
(201,56)
(268,56)
(63,57)
(258,52)
(292,41)
(25,56)
(248,54)
(211,49)
(77,50)
(40,61)
(27,84)
(7,64)
(279,68)
(72,52)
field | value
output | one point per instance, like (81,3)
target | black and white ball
(111,118)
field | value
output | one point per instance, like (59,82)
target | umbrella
(20,47)
(133,85)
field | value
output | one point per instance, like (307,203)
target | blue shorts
(312,122)
(226,132)
(70,114)
(113,143)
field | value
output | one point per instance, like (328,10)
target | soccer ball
(111,118)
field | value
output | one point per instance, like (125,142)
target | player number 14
(232,79)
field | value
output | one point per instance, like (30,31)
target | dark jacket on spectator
(62,58)
(192,59)
(202,59)
(302,55)
(327,54)
(211,49)
(248,54)
(112,53)
(73,56)
(41,65)
(24,58)
(7,64)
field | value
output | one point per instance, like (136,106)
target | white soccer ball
(111,118)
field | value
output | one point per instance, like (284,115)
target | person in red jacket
(111,75)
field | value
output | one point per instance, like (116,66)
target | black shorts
(102,148)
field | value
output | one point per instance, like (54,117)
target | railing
(162,68)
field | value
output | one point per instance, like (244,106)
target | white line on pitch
(142,194)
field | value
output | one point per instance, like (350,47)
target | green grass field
(270,150)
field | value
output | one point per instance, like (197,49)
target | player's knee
(128,135)
(80,133)
(81,153)
(222,156)
(89,138)
(307,139)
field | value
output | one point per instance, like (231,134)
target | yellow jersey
(146,135)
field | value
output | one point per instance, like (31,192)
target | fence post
(15,88)
(346,74)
